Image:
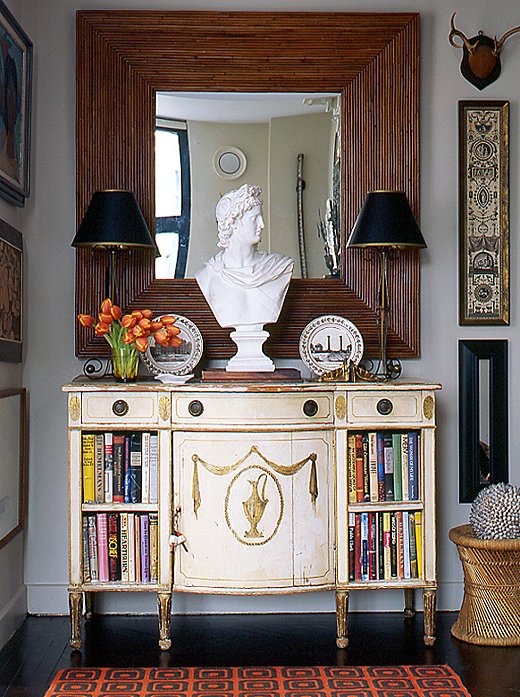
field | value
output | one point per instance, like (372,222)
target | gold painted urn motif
(254,506)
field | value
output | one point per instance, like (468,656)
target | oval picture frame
(175,361)
(229,162)
(327,341)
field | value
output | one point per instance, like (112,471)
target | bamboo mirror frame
(372,59)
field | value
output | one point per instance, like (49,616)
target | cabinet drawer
(124,407)
(385,407)
(256,409)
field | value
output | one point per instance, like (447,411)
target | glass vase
(125,363)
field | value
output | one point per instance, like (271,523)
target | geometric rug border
(259,681)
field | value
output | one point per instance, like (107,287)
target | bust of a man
(243,286)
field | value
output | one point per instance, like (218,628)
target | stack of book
(120,547)
(383,466)
(385,545)
(120,467)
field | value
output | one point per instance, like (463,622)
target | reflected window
(172,196)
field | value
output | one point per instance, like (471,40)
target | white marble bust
(245,288)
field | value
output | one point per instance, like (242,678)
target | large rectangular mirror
(125,58)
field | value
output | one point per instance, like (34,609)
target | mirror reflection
(210,143)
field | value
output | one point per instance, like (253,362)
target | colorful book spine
(388,455)
(400,548)
(123,531)
(351,546)
(419,542)
(398,472)
(126,478)
(387,561)
(92,549)
(99,467)
(357,548)
(406,546)
(372,466)
(102,542)
(393,545)
(404,466)
(114,564)
(131,547)
(145,549)
(137,547)
(85,550)
(366,470)
(372,545)
(109,468)
(88,467)
(154,547)
(145,468)
(360,493)
(380,467)
(118,440)
(413,546)
(364,546)
(380,547)
(154,468)
(413,468)
(135,468)
(351,468)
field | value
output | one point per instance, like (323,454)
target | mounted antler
(499,44)
(456,32)
(480,61)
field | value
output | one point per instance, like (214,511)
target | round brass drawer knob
(120,407)
(195,408)
(310,407)
(384,407)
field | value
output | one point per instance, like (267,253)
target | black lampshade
(386,220)
(113,219)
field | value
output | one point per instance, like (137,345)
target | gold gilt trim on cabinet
(428,407)
(341,407)
(164,408)
(74,408)
(285,470)
(254,507)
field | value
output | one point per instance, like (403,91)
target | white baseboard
(12,615)
(46,599)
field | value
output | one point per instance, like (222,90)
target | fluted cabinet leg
(409,602)
(76,610)
(429,599)
(164,601)
(341,619)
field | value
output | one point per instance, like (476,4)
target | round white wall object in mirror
(229,162)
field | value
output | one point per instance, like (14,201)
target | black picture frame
(15,109)
(11,300)
(479,465)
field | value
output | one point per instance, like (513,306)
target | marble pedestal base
(250,356)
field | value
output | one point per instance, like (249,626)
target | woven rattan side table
(490,612)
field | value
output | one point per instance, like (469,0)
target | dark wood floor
(40,647)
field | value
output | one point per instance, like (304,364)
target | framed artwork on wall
(11,262)
(13,463)
(15,108)
(484,212)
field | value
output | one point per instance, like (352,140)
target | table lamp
(385,223)
(113,221)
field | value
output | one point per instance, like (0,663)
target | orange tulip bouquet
(128,335)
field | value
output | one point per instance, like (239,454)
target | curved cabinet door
(247,512)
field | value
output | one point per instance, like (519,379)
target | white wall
(49,226)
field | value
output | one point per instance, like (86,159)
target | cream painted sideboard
(254,476)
